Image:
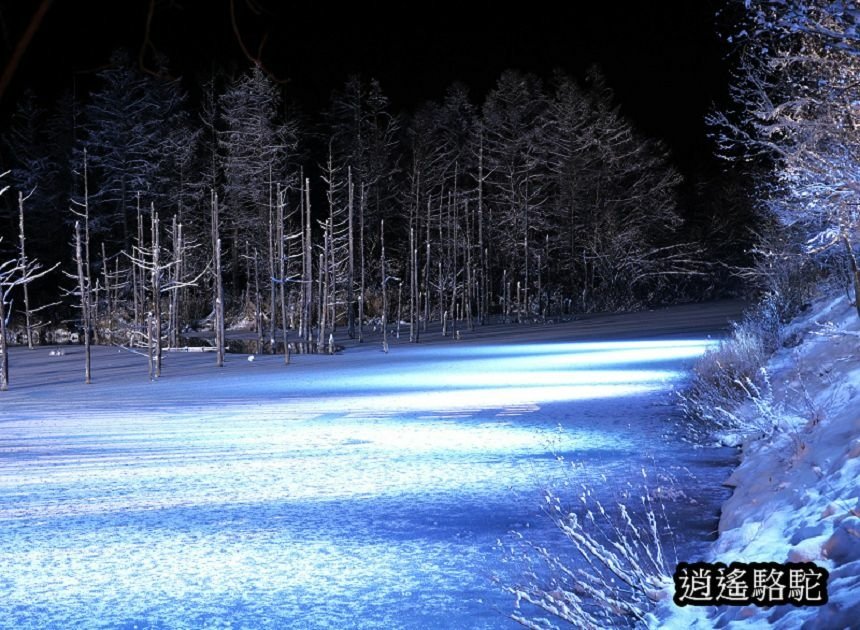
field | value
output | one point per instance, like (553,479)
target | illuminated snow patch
(503,377)
(492,398)
(547,372)
(624,351)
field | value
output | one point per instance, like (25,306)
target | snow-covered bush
(732,373)
(614,573)
(783,271)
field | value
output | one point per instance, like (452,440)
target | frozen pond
(361,490)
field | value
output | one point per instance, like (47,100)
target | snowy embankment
(797,492)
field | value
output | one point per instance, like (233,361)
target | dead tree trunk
(4,348)
(273,252)
(87,267)
(321,305)
(282,273)
(156,292)
(302,289)
(258,299)
(483,284)
(361,205)
(177,274)
(384,291)
(136,281)
(219,286)
(307,281)
(399,305)
(149,346)
(427,293)
(350,281)
(469,293)
(85,299)
(26,272)
(28,324)
(273,306)
(413,288)
(109,302)
(85,256)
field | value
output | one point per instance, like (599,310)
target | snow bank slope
(797,493)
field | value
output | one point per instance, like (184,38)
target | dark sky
(663,59)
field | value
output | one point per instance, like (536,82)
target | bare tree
(165,276)
(83,213)
(30,324)
(218,284)
(384,282)
(796,101)
(350,277)
(282,272)
(14,273)
(86,301)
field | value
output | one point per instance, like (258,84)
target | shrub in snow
(732,373)
(622,569)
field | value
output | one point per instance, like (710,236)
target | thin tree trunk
(519,304)
(176,274)
(384,291)
(156,291)
(109,302)
(303,289)
(452,257)
(413,288)
(273,251)
(149,345)
(441,298)
(258,307)
(361,204)
(308,280)
(399,304)
(219,286)
(87,266)
(135,275)
(282,275)
(85,310)
(470,291)
(525,301)
(321,306)
(441,256)
(350,287)
(416,315)
(331,277)
(506,310)
(28,324)
(4,348)
(427,293)
(483,307)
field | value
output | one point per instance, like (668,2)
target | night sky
(664,60)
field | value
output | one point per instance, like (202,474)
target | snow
(796,495)
(359,490)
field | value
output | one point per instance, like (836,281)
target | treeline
(543,201)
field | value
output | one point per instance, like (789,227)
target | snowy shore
(796,492)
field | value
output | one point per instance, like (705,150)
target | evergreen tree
(126,125)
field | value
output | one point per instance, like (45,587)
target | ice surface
(361,490)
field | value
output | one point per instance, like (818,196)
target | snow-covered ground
(359,490)
(797,494)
